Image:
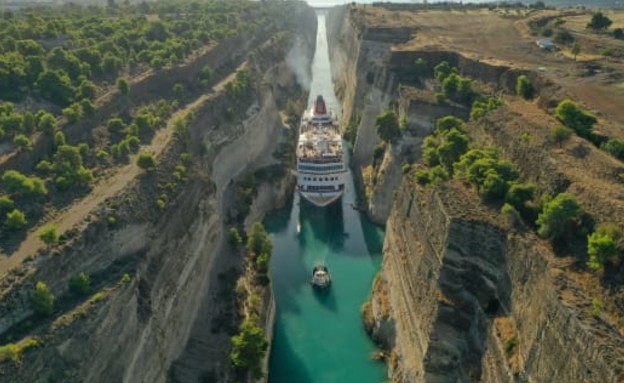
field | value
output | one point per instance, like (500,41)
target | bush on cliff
(80,284)
(559,217)
(387,126)
(258,241)
(15,220)
(524,87)
(42,300)
(570,115)
(602,245)
(49,235)
(249,347)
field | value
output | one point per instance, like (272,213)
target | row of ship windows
(320,178)
(320,168)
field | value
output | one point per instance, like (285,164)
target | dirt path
(106,187)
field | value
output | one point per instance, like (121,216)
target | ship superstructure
(321,168)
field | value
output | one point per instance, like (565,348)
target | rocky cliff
(164,307)
(464,297)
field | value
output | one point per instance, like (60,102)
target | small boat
(320,277)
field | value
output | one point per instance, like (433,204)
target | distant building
(546,44)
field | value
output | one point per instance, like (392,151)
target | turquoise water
(319,337)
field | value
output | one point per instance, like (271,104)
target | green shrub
(262,263)
(125,278)
(122,86)
(22,142)
(440,98)
(42,300)
(80,284)
(146,161)
(596,307)
(15,220)
(248,348)
(602,245)
(406,168)
(524,87)
(615,147)
(258,241)
(9,352)
(519,194)
(559,216)
(559,134)
(49,235)
(160,204)
(387,126)
(6,204)
(570,115)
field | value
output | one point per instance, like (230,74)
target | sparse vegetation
(49,235)
(42,300)
(560,134)
(234,238)
(602,245)
(80,284)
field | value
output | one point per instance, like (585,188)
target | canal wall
(165,308)
(462,296)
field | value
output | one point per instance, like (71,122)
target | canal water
(319,338)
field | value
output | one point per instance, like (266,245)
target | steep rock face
(466,301)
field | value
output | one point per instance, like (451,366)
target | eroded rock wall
(466,299)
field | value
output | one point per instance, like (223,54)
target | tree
(519,194)
(15,220)
(80,284)
(558,216)
(387,126)
(615,147)
(42,300)
(87,90)
(6,204)
(600,247)
(55,86)
(22,142)
(115,125)
(49,235)
(258,241)
(524,87)
(248,348)
(560,134)
(569,113)
(47,122)
(146,161)
(599,22)
(73,112)
(618,33)
(122,86)
(16,182)
(576,49)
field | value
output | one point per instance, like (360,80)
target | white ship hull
(321,170)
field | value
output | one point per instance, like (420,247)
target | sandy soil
(106,187)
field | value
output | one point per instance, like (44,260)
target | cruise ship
(321,169)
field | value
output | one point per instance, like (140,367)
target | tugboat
(320,277)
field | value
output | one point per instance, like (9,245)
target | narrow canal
(320,338)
